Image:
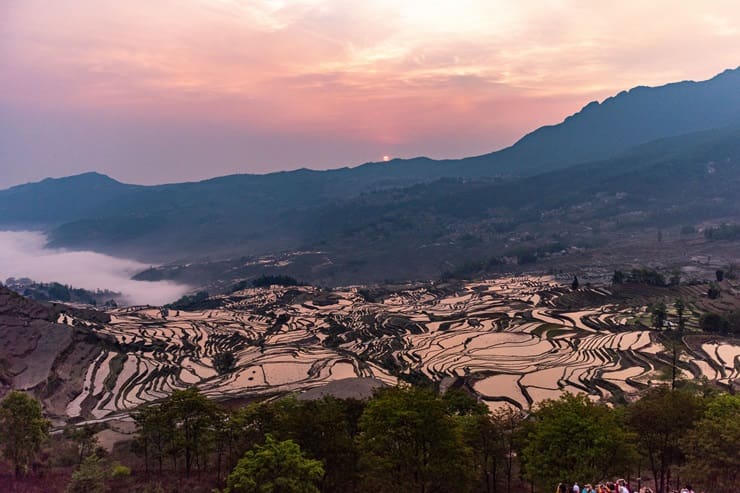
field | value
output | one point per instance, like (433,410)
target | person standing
(576,488)
(622,486)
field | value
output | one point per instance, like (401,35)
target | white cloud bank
(22,254)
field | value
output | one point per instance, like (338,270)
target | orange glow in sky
(185,89)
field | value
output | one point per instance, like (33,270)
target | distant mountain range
(649,156)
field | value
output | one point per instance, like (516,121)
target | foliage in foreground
(276,466)
(573,439)
(410,439)
(23,429)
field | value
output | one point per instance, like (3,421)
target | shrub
(713,322)
(651,277)
(120,471)
(89,478)
(713,292)
(224,362)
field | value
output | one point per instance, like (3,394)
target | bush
(224,362)
(713,322)
(526,258)
(188,301)
(153,488)
(267,281)
(651,277)
(120,471)
(89,478)
(723,232)
(713,292)
(275,466)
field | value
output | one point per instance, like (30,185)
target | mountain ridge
(730,76)
(247,214)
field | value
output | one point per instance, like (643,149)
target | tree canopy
(573,438)
(408,442)
(713,447)
(23,429)
(275,467)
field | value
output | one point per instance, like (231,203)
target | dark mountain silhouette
(637,116)
(56,200)
(253,214)
(461,227)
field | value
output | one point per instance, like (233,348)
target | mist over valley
(24,254)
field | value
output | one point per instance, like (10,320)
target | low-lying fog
(22,254)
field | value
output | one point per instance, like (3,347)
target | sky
(155,91)
(24,255)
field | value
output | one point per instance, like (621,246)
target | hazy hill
(601,149)
(56,200)
(637,116)
(423,231)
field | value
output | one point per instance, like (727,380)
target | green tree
(224,362)
(493,439)
(659,313)
(618,277)
(89,477)
(572,438)
(275,467)
(460,403)
(713,447)
(713,322)
(23,429)
(659,420)
(326,429)
(409,443)
(83,438)
(680,308)
(714,291)
(193,416)
(156,434)
(248,426)
(184,425)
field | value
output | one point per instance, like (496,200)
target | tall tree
(193,416)
(23,429)
(409,443)
(83,438)
(89,477)
(659,313)
(493,440)
(713,447)
(156,434)
(659,420)
(572,438)
(680,308)
(326,429)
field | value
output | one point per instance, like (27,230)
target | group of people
(620,486)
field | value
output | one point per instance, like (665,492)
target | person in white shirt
(622,486)
(576,488)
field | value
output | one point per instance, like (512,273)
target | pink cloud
(408,77)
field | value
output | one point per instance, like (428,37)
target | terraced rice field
(504,337)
